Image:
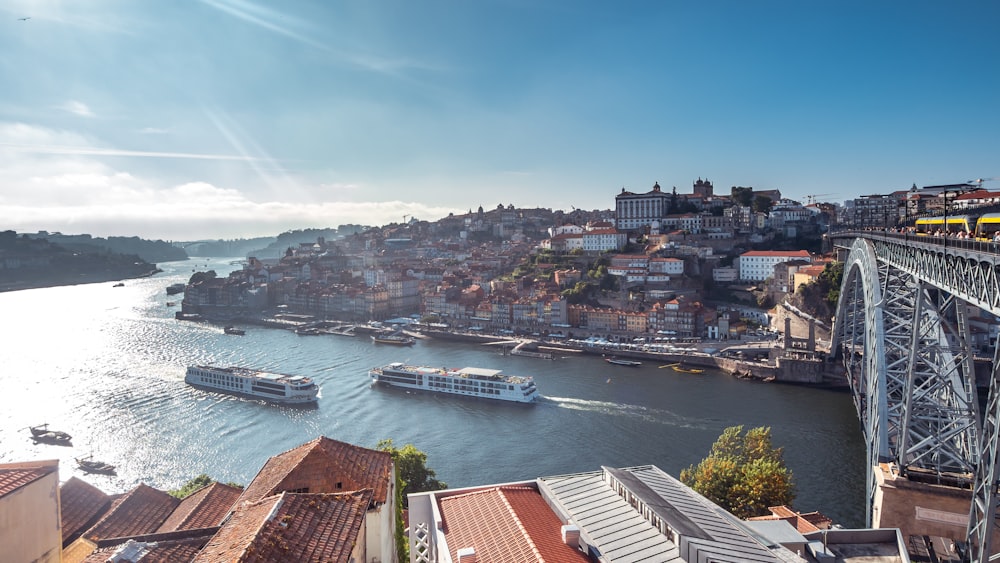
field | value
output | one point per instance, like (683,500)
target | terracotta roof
(14,476)
(157,548)
(803,523)
(203,508)
(509,523)
(323,465)
(291,527)
(141,511)
(81,505)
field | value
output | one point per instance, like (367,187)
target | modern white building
(758,265)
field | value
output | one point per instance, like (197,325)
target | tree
(762,204)
(196,483)
(741,195)
(745,474)
(411,466)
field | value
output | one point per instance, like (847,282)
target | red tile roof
(203,508)
(81,505)
(13,476)
(141,511)
(157,548)
(323,465)
(291,527)
(503,524)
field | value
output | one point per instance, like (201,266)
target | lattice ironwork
(903,338)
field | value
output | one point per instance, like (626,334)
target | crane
(979,181)
(811,198)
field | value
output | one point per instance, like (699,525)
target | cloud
(55,181)
(77,108)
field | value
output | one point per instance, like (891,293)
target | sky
(196,119)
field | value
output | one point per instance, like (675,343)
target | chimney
(571,535)
(467,555)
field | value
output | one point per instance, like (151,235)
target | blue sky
(230,118)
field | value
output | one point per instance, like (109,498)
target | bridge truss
(902,332)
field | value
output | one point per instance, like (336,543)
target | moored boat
(395,338)
(682,369)
(89,465)
(41,433)
(254,384)
(230,329)
(469,381)
(620,362)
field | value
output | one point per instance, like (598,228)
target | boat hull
(468,382)
(254,384)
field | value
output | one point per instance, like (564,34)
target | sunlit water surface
(106,364)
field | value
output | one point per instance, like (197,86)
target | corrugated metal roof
(613,523)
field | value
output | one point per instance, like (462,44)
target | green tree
(743,473)
(411,466)
(196,483)
(762,204)
(741,196)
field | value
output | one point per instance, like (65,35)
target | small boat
(119,284)
(171,303)
(41,433)
(680,369)
(230,329)
(626,363)
(89,465)
(396,338)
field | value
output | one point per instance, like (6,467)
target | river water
(106,364)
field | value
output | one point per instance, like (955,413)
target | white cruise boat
(255,384)
(470,382)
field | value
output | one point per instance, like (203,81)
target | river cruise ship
(253,383)
(470,382)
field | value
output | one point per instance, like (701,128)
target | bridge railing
(951,241)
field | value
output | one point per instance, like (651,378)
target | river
(106,364)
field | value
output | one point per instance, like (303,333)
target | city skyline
(230,118)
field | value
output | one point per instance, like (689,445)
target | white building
(758,265)
(30,526)
(604,240)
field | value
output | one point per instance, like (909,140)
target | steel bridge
(902,332)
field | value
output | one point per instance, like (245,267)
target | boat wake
(618,409)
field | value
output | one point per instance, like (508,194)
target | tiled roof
(291,527)
(203,508)
(81,504)
(160,548)
(13,476)
(323,465)
(141,511)
(508,523)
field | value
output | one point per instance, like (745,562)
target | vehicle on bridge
(982,227)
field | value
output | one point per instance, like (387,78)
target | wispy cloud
(103,151)
(77,108)
(269,19)
(265,18)
(154,131)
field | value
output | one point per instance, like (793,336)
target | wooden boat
(119,284)
(233,330)
(89,465)
(41,433)
(626,363)
(681,369)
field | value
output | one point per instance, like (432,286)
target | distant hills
(27,262)
(149,250)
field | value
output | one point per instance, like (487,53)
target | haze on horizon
(235,118)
